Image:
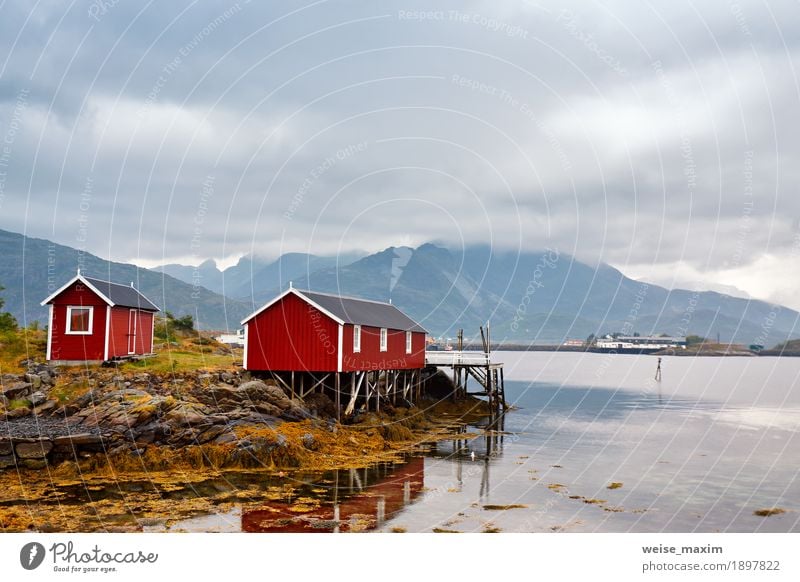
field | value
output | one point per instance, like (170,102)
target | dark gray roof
(122,295)
(364,311)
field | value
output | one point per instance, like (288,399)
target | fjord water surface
(595,444)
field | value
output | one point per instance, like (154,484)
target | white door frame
(132,336)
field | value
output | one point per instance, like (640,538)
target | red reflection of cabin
(305,331)
(363,503)
(92,320)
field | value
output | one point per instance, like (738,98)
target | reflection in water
(348,500)
(472,443)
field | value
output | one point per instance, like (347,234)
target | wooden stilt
(354,389)
(503,390)
(276,376)
(338,388)
(377,391)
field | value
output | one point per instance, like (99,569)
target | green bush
(7,321)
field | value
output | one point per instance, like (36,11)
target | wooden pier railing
(456,358)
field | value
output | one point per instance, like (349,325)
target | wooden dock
(479,366)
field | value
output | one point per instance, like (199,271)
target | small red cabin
(92,320)
(307,331)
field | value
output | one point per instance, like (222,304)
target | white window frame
(68,327)
(356,339)
(384,339)
(408,342)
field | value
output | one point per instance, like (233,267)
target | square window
(79,320)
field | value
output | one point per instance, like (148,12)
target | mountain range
(538,296)
(252,274)
(32,268)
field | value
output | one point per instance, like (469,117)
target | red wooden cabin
(92,320)
(307,331)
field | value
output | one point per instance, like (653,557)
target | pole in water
(658,371)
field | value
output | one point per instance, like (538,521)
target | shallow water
(714,441)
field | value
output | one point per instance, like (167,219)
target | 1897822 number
(756,565)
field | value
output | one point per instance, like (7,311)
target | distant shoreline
(689,352)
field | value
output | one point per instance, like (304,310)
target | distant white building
(232,339)
(637,343)
(574,343)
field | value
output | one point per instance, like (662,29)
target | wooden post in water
(658,371)
(503,390)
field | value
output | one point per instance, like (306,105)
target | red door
(132,331)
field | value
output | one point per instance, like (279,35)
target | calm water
(714,441)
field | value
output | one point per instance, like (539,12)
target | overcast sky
(661,138)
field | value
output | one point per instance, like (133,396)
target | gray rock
(119,449)
(211,433)
(220,395)
(186,414)
(265,408)
(17,413)
(37,398)
(158,430)
(45,408)
(34,380)
(310,442)
(78,440)
(125,394)
(45,377)
(321,405)
(6,447)
(34,450)
(225,438)
(7,461)
(16,390)
(33,463)
(145,437)
(183,437)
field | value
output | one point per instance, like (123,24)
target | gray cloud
(645,136)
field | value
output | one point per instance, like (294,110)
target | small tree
(590,339)
(7,321)
(185,323)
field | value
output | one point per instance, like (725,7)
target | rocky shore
(131,420)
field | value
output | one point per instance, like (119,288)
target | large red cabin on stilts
(94,321)
(308,331)
(308,340)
